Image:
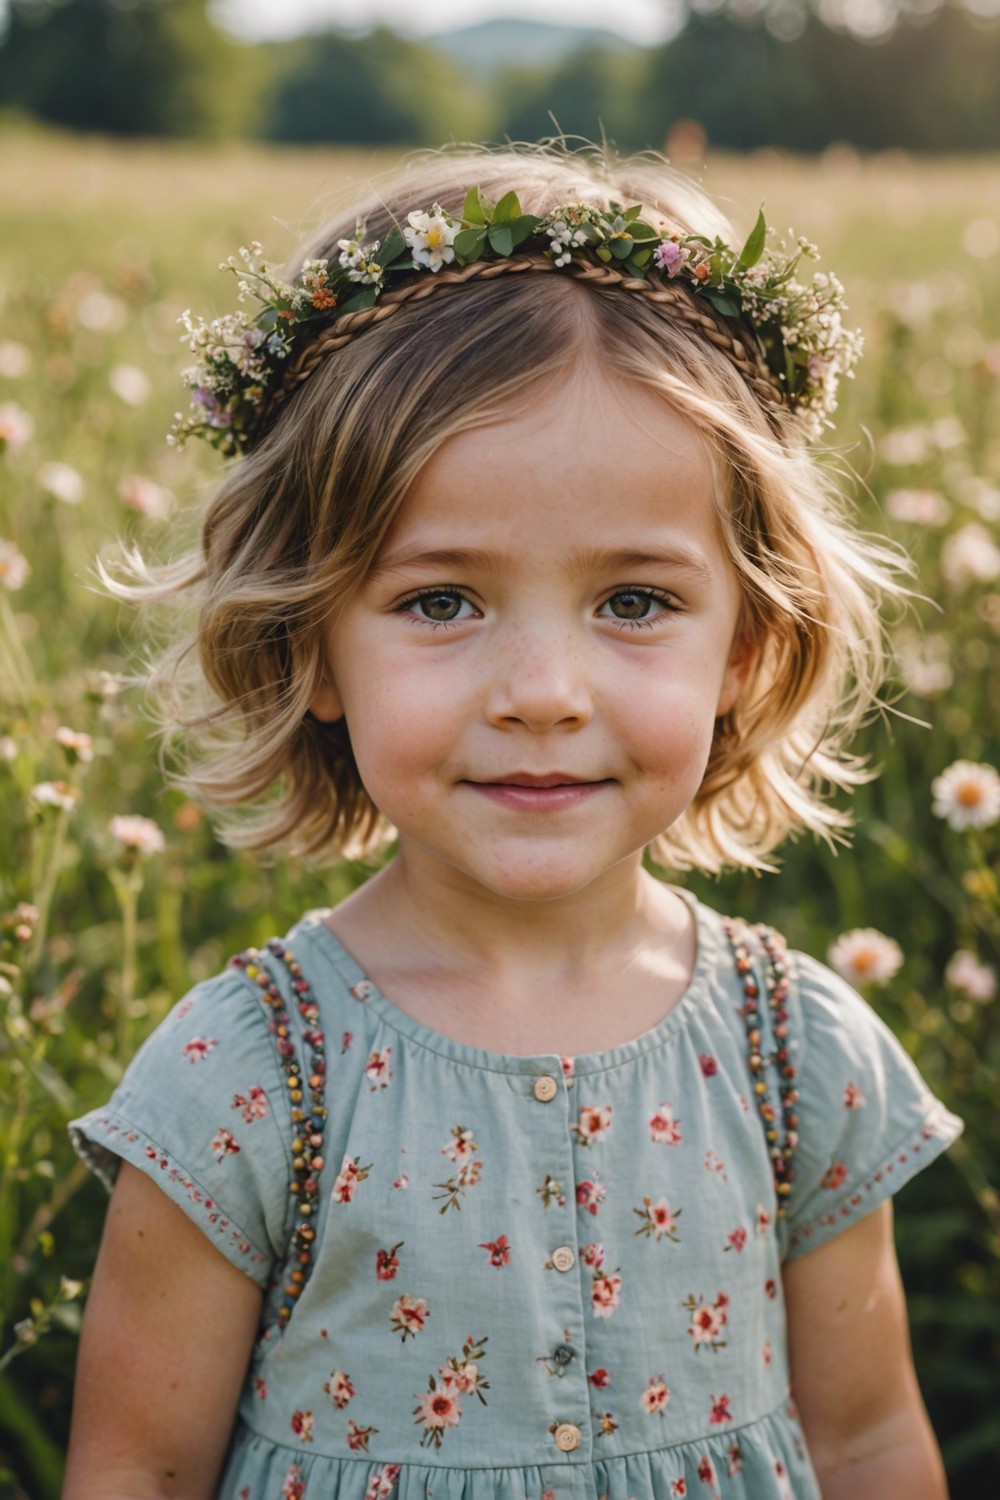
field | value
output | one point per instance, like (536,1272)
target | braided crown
(786,339)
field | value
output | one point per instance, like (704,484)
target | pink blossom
(663,1128)
(669,256)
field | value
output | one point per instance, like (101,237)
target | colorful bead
(777,985)
(307,1146)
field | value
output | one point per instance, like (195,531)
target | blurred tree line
(789,73)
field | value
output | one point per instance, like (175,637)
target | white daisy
(865,956)
(431,238)
(967,795)
(61,481)
(137,833)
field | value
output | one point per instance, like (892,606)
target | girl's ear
(325,704)
(742,658)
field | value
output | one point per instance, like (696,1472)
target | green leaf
(723,304)
(392,249)
(634,268)
(639,230)
(501,238)
(754,247)
(469,244)
(641,258)
(523,228)
(604,253)
(508,208)
(621,246)
(473,211)
(631,214)
(364,297)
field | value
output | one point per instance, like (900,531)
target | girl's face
(532,670)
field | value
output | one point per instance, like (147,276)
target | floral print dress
(526,1278)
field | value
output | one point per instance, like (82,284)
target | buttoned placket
(566,1428)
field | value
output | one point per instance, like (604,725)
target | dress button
(563,1259)
(562,1354)
(567,1437)
(546,1088)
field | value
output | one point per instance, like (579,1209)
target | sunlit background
(141,142)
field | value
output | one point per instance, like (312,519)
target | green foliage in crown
(243,356)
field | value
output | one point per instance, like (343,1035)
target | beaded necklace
(308,1120)
(776,981)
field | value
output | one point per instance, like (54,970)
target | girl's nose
(539,679)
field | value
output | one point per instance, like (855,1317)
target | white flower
(101,312)
(137,833)
(970,555)
(431,238)
(865,956)
(130,384)
(16,426)
(14,566)
(966,973)
(55,794)
(921,507)
(146,496)
(967,795)
(905,445)
(62,481)
(81,744)
(8,748)
(15,360)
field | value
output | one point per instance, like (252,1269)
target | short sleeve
(203,1112)
(867,1120)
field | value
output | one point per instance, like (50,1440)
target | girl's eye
(439,607)
(637,606)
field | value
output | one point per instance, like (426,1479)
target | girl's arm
(852,1370)
(167,1338)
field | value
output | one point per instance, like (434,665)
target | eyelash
(660,596)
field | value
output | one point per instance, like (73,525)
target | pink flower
(339,1389)
(763,1219)
(670,257)
(706,1473)
(605,1294)
(709,1066)
(737,1240)
(440,1409)
(663,1128)
(595,1122)
(656,1395)
(198,1048)
(302,1425)
(678,1489)
(293,1487)
(381,1483)
(377,1071)
(599,1378)
(224,1145)
(499,1250)
(461,1146)
(260,1387)
(590,1195)
(835,1175)
(853,1097)
(767,1354)
(567,1066)
(253,1104)
(387,1263)
(350,1174)
(593,1255)
(402,1181)
(720,1413)
(409,1316)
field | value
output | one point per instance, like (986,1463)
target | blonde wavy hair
(297,523)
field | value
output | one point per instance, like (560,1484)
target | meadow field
(104,246)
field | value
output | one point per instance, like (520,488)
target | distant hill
(492,45)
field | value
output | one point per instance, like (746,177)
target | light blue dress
(524,1278)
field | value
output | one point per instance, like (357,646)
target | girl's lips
(537,798)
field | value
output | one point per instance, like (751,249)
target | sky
(642,21)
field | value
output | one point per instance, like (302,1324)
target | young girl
(519,1175)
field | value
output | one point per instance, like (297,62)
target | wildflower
(975,979)
(409,1316)
(15,360)
(663,1128)
(595,1122)
(55,794)
(440,1409)
(14,566)
(431,238)
(16,426)
(919,507)
(138,833)
(79,746)
(145,496)
(670,257)
(658,1219)
(130,384)
(970,555)
(339,1389)
(967,795)
(865,956)
(905,445)
(101,312)
(61,481)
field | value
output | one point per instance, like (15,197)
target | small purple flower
(669,256)
(216,414)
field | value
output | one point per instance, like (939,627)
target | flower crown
(786,338)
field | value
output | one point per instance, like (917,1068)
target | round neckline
(350,971)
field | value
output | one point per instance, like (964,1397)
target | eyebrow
(592,560)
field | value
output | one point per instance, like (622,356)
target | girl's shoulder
(844,1103)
